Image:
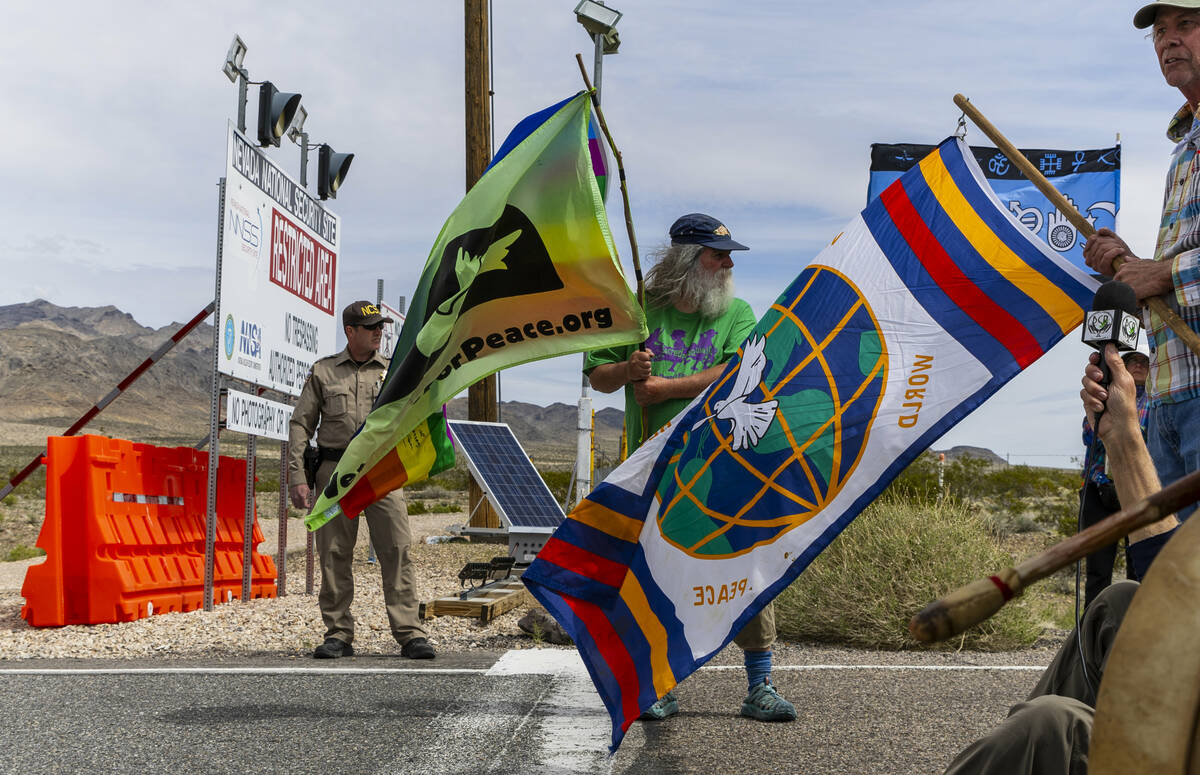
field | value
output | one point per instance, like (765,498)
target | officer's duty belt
(331,453)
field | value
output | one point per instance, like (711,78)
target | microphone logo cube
(1099,326)
(1102,326)
(1130,328)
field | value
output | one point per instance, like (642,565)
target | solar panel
(505,473)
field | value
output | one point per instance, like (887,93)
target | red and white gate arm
(166,347)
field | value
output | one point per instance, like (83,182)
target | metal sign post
(248,523)
(281,553)
(214,415)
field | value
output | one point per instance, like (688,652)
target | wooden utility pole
(481,397)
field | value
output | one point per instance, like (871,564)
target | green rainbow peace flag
(525,268)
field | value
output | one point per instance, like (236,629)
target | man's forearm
(1132,470)
(695,384)
(609,377)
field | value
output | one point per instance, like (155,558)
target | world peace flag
(525,268)
(928,302)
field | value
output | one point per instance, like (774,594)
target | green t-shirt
(683,343)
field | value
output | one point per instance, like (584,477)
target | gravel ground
(290,626)
(284,626)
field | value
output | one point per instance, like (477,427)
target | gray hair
(676,277)
(666,278)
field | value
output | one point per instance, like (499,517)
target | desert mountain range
(57,362)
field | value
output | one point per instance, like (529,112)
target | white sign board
(245,413)
(279,273)
(391,331)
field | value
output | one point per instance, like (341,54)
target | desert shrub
(266,483)
(895,558)
(430,491)
(963,476)
(557,481)
(1017,499)
(456,479)
(23,552)
(417,507)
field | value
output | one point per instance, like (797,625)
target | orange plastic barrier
(124,533)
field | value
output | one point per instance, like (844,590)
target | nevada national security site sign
(279,271)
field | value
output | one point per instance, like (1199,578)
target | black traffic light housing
(276,110)
(332,168)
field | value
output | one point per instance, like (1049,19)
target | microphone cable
(1091,455)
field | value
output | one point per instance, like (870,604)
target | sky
(760,113)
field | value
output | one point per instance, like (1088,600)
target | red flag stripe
(614,653)
(583,562)
(990,316)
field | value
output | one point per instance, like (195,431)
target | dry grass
(896,557)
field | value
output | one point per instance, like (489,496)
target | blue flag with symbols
(1090,179)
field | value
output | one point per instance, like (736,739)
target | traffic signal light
(332,168)
(276,110)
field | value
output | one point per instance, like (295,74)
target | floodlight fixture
(596,17)
(234,59)
(296,131)
(332,168)
(612,41)
(276,110)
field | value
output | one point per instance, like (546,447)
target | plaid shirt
(1174,369)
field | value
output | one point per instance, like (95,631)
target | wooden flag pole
(637,264)
(1156,304)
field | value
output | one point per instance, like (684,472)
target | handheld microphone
(1113,320)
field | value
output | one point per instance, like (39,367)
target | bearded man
(696,326)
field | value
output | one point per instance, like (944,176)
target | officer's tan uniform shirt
(338,395)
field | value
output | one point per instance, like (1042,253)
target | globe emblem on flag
(826,367)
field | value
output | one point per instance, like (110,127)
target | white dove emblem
(749,422)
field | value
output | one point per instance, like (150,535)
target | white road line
(576,730)
(532,670)
(949,668)
(241,671)
(537,662)
(553,662)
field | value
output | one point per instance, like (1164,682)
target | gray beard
(710,292)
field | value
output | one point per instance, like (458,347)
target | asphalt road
(524,712)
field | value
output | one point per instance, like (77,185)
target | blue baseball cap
(701,229)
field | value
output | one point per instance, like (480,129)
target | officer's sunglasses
(373,326)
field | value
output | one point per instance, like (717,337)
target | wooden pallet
(485,603)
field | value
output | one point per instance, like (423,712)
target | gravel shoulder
(288,626)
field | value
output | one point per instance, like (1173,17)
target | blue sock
(758,666)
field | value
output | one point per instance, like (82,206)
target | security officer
(337,397)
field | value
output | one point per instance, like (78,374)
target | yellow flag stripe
(660,668)
(1034,284)
(607,521)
